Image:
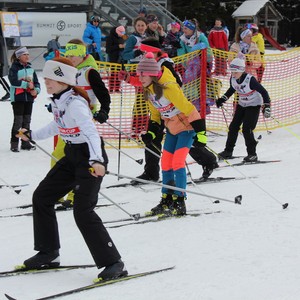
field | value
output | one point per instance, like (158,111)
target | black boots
(113,271)
(43,260)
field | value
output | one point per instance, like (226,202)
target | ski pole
(139,161)
(17,191)
(37,145)
(135,217)
(223,111)
(237,199)
(286,128)
(284,206)
(4,85)
(268,131)
(188,173)
(129,137)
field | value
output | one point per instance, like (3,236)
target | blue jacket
(92,34)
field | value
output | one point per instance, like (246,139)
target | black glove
(153,129)
(266,110)
(148,137)
(220,101)
(175,44)
(101,116)
(137,52)
(49,107)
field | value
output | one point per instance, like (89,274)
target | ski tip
(285,205)
(9,297)
(19,267)
(238,199)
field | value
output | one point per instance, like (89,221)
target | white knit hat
(60,72)
(237,65)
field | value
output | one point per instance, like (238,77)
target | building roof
(249,8)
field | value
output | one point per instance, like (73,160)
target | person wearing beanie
(252,96)
(24,89)
(115,44)
(151,168)
(154,29)
(193,39)
(81,169)
(142,12)
(183,123)
(172,40)
(90,80)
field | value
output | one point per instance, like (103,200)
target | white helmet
(237,65)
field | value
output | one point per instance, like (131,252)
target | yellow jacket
(260,42)
(173,107)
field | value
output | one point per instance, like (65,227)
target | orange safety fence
(203,83)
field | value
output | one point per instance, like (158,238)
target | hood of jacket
(88,61)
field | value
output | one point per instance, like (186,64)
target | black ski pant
(72,173)
(152,167)
(22,119)
(248,116)
(203,156)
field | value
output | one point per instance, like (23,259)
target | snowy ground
(245,252)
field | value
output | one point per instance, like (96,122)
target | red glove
(123,75)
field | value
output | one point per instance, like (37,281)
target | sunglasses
(96,21)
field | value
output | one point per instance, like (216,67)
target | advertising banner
(37,28)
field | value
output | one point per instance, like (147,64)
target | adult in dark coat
(115,44)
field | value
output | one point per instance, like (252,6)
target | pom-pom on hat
(59,71)
(120,30)
(148,66)
(150,45)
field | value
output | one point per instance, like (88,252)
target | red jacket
(217,38)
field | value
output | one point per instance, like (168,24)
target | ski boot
(113,271)
(166,201)
(43,260)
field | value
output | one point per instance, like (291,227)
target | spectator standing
(132,55)
(217,39)
(244,44)
(92,36)
(154,29)
(142,12)
(172,40)
(23,90)
(115,44)
(193,39)
(258,38)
